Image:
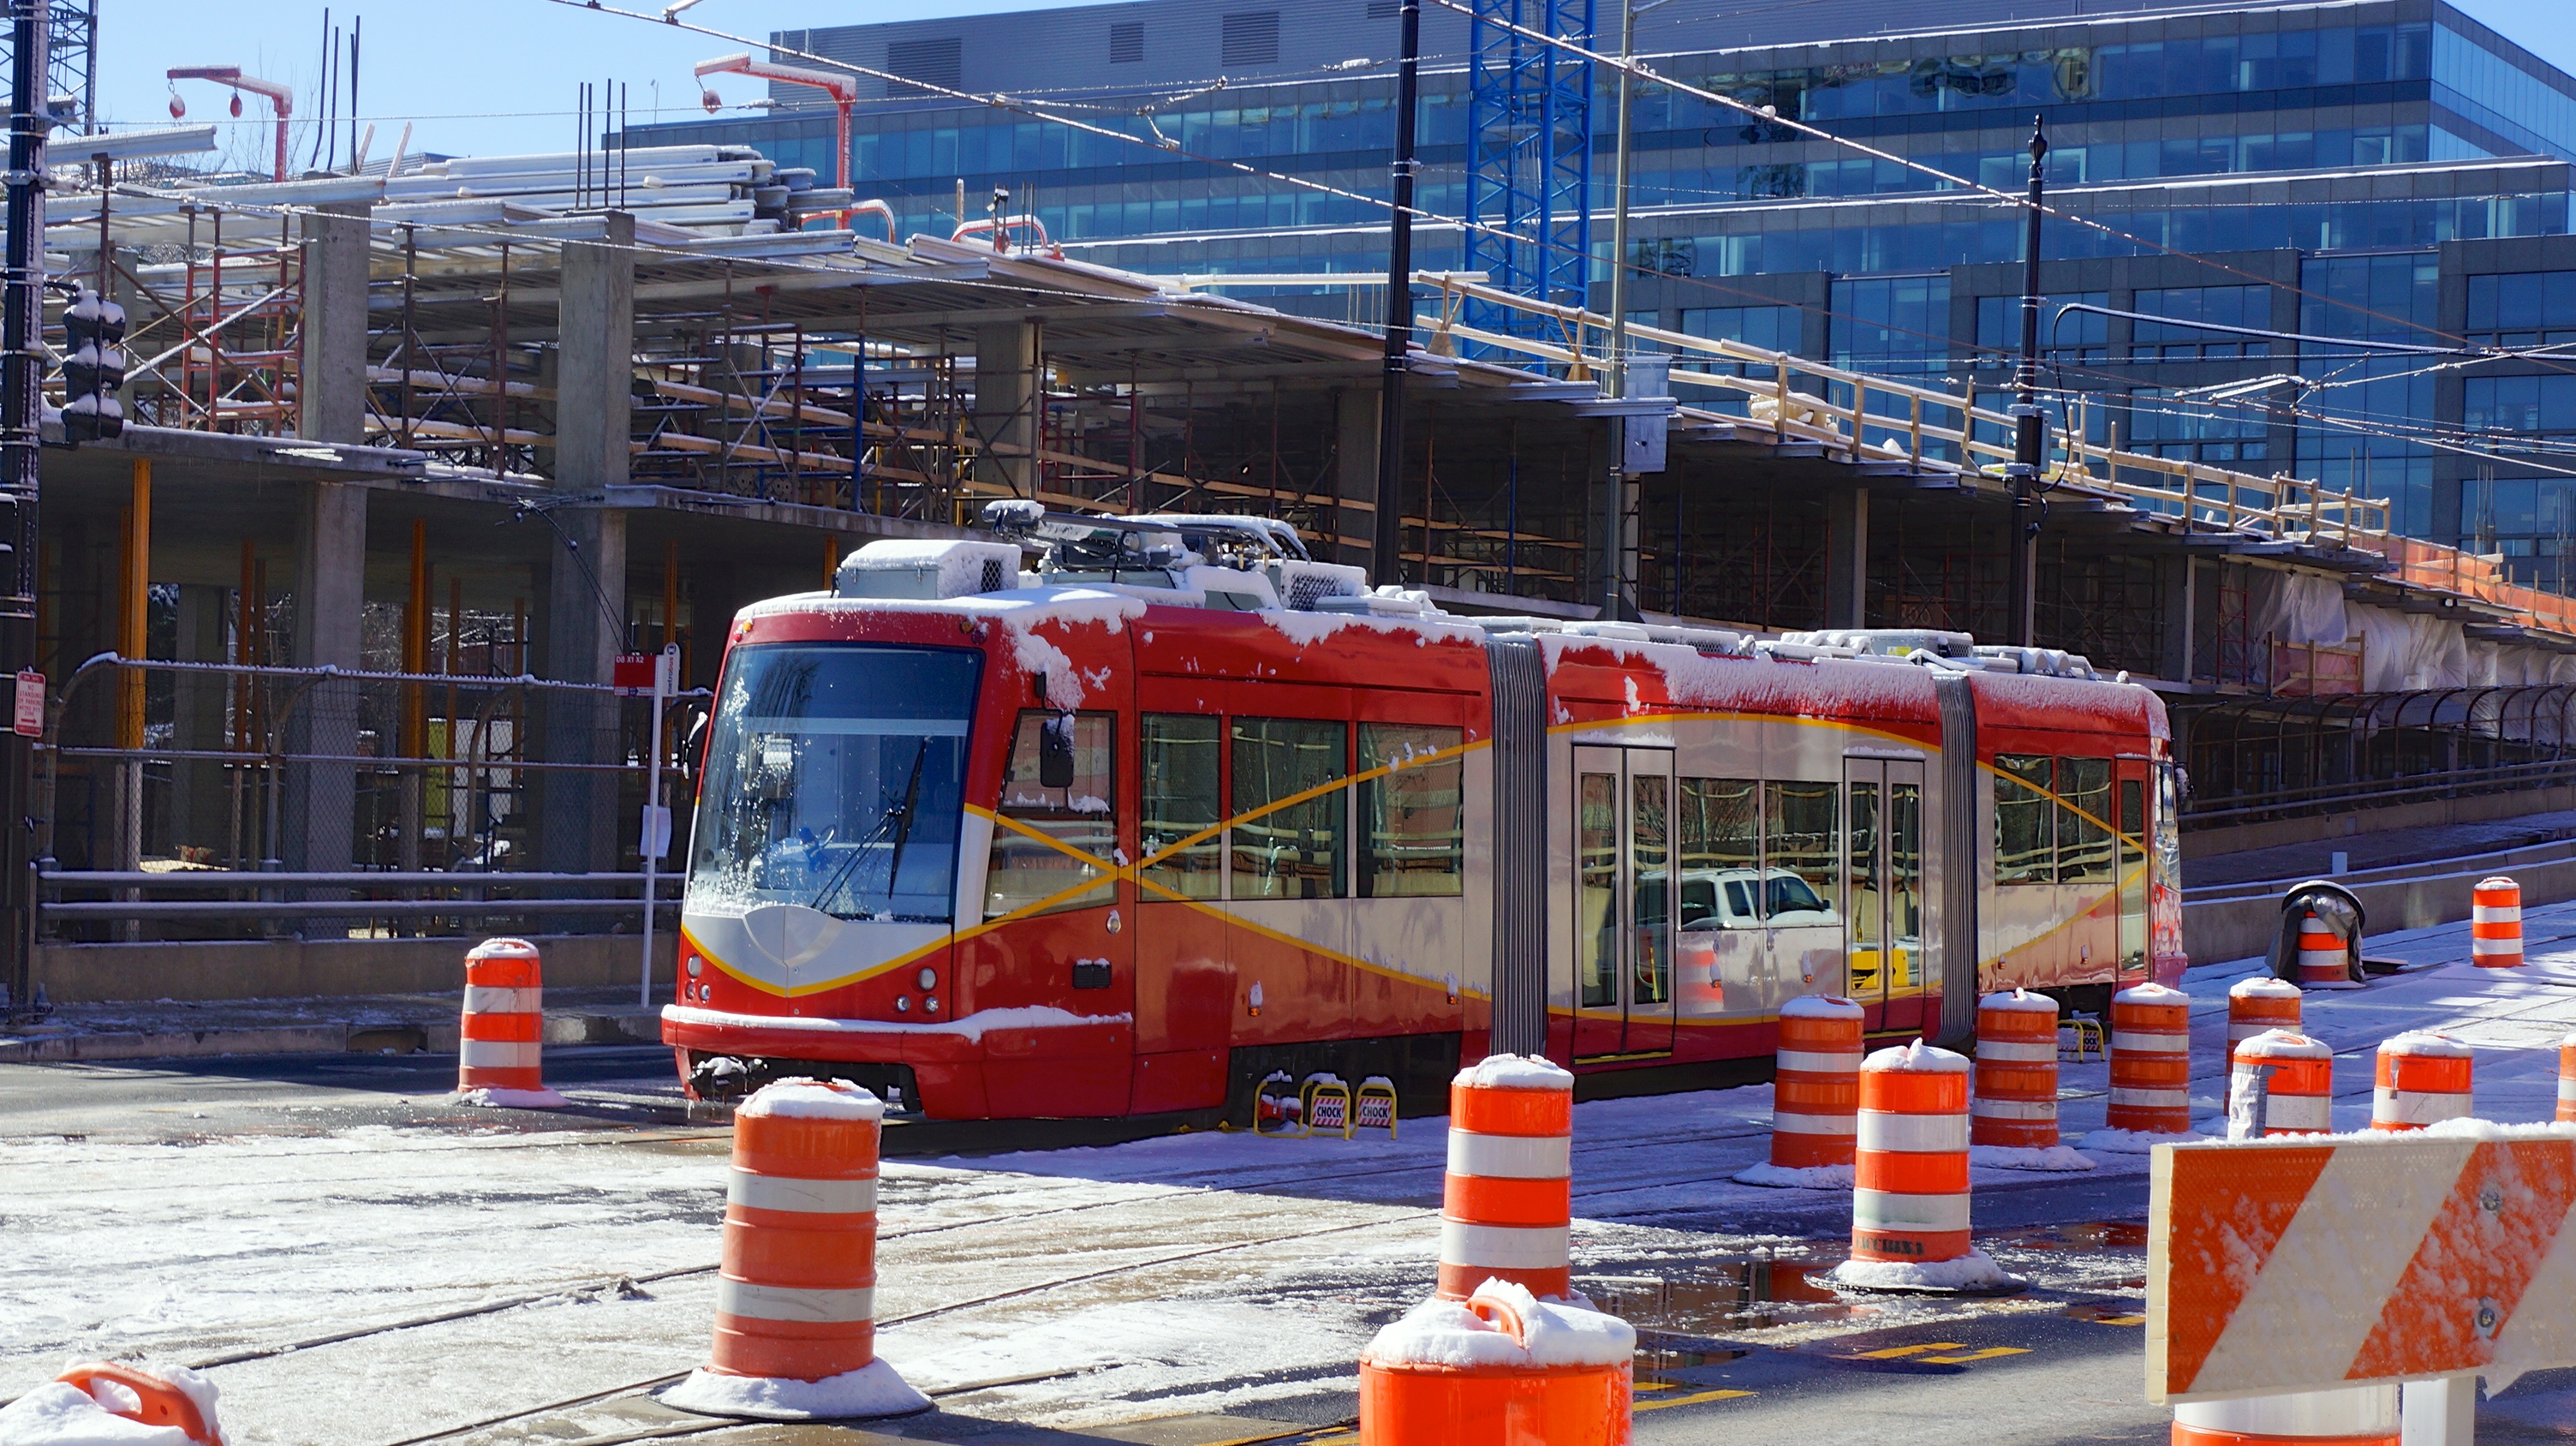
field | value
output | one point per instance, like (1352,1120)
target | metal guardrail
(2343,797)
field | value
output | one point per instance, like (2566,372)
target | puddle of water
(2087,1235)
(2109,1314)
(1678,1321)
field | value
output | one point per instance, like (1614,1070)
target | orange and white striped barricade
(1815,1091)
(2331,1268)
(2495,924)
(1374,1108)
(501,1039)
(2280,1083)
(2261,1002)
(162,1396)
(1507,1205)
(1327,1105)
(2567,1080)
(1500,1368)
(1910,1177)
(2325,960)
(2150,1061)
(795,1328)
(2016,1076)
(2422,1079)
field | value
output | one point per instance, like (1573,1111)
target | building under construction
(406,476)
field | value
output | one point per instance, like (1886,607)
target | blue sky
(499,76)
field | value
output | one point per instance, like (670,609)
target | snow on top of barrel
(1514,1072)
(2150,994)
(58,1413)
(1917,1058)
(2264,986)
(1820,1006)
(2283,1044)
(1448,1333)
(807,1099)
(2425,1042)
(2020,1001)
(502,948)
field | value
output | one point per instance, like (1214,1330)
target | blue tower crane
(1529,156)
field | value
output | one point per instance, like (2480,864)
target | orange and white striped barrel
(1474,1373)
(503,1031)
(1815,1093)
(2495,924)
(172,1397)
(796,1299)
(2347,1416)
(2323,957)
(2567,1080)
(2423,1079)
(1507,1205)
(2151,1061)
(2298,1085)
(1910,1173)
(2260,1003)
(2016,1100)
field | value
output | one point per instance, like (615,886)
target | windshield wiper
(903,830)
(897,817)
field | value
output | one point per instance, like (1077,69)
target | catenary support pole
(1386,553)
(1617,589)
(21,369)
(2029,432)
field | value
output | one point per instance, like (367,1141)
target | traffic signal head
(93,368)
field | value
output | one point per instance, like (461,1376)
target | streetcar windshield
(834,780)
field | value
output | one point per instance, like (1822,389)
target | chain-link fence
(228,801)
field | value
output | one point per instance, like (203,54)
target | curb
(373,1038)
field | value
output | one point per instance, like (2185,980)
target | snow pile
(1041,659)
(1795,1177)
(1975,1270)
(489,1098)
(1820,1006)
(60,1414)
(2263,986)
(807,1099)
(2016,1157)
(1916,1058)
(2425,1043)
(2134,1142)
(2019,1001)
(872,1390)
(1449,1333)
(1514,1072)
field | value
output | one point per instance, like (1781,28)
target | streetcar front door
(2129,789)
(1883,943)
(1626,902)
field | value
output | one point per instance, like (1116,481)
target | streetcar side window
(1412,828)
(2083,821)
(2025,820)
(1721,840)
(1804,874)
(1288,832)
(1053,841)
(1183,801)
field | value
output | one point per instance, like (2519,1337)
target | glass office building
(2378,175)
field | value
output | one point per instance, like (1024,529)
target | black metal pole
(21,371)
(2029,432)
(1386,556)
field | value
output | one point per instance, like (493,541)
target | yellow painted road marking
(1988,1354)
(1694,1398)
(1897,1352)
(2128,1320)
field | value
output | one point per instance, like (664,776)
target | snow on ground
(1192,1272)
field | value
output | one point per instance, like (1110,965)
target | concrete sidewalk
(361,1024)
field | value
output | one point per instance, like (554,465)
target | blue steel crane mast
(1529,157)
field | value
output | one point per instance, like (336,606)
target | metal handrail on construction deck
(2285,505)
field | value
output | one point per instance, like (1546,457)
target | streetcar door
(2129,804)
(1626,901)
(1885,953)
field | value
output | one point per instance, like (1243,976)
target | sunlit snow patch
(1795,1177)
(1975,1270)
(2133,1142)
(501,1099)
(872,1390)
(59,1414)
(2019,1157)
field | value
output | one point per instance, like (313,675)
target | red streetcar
(1183,808)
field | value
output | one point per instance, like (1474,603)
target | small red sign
(30,713)
(633,676)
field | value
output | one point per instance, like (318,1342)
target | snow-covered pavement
(1215,1277)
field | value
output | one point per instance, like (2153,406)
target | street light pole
(1386,560)
(2030,438)
(21,412)
(1615,593)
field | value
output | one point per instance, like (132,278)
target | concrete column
(1354,471)
(1007,366)
(581,631)
(595,364)
(1847,558)
(330,598)
(2177,579)
(331,374)
(199,804)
